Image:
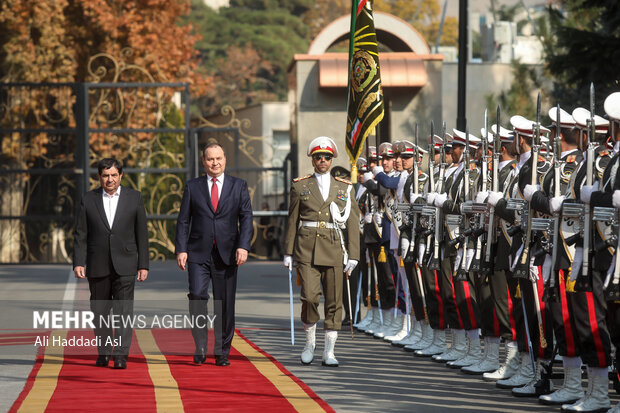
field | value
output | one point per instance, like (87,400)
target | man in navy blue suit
(214,231)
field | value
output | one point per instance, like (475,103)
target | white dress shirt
(219,182)
(110,202)
(324,181)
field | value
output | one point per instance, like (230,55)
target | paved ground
(373,375)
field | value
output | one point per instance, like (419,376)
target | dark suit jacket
(198,224)
(124,247)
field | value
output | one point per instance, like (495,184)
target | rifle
(476,263)
(461,274)
(523,267)
(435,262)
(416,187)
(557,171)
(583,282)
(495,187)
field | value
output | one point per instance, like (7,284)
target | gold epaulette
(346,181)
(301,178)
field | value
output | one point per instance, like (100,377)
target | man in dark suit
(213,247)
(111,246)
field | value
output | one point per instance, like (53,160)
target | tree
(251,49)
(584,48)
(53,41)
(424,16)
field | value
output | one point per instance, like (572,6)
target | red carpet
(157,381)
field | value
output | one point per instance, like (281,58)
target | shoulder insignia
(541,159)
(346,181)
(301,178)
(571,158)
(604,152)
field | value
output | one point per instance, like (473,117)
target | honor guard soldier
(372,236)
(378,242)
(560,303)
(322,239)
(602,198)
(459,304)
(498,280)
(589,314)
(395,186)
(530,287)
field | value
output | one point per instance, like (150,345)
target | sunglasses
(319,156)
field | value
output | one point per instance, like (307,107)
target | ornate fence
(53,134)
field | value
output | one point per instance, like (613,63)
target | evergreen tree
(585,48)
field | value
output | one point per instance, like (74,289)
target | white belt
(319,224)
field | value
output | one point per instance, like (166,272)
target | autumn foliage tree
(54,41)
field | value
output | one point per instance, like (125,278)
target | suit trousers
(224,281)
(113,292)
(313,278)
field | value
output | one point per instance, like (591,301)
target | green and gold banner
(365,96)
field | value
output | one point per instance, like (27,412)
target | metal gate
(53,135)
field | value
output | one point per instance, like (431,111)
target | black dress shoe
(200,356)
(120,362)
(222,361)
(102,361)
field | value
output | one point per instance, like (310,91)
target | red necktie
(215,196)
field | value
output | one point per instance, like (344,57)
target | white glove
(470,258)
(481,196)
(577,261)
(430,198)
(457,260)
(376,170)
(546,268)
(533,270)
(421,251)
(555,203)
(367,176)
(529,192)
(494,198)
(413,197)
(368,218)
(440,199)
(616,198)
(586,192)
(288,262)
(378,218)
(350,265)
(404,247)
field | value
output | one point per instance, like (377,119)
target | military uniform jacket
(540,199)
(319,245)
(602,159)
(504,241)
(406,229)
(454,189)
(375,194)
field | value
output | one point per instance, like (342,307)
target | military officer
(322,239)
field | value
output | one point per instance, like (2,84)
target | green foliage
(260,37)
(585,48)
